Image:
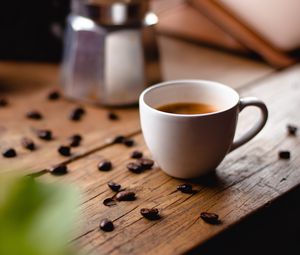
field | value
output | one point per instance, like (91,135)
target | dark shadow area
(274,229)
(210,180)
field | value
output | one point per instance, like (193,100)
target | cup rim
(167,83)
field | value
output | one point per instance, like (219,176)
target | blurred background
(34,30)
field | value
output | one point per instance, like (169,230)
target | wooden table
(249,179)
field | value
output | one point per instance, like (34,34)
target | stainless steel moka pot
(111,53)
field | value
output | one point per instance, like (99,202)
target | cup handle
(245,102)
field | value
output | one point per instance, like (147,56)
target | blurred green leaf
(35,218)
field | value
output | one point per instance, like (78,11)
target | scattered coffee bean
(77,114)
(75,140)
(106,225)
(146,163)
(125,196)
(59,170)
(53,95)
(292,130)
(128,142)
(28,144)
(112,116)
(9,153)
(185,188)
(118,139)
(105,165)
(3,102)
(210,218)
(34,115)
(114,186)
(109,202)
(135,168)
(136,154)
(150,214)
(44,134)
(64,151)
(284,155)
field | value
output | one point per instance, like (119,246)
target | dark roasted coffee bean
(136,154)
(44,134)
(106,225)
(284,155)
(109,202)
(112,116)
(128,142)
(64,151)
(150,214)
(77,113)
(9,153)
(3,102)
(210,218)
(75,140)
(80,110)
(28,144)
(53,95)
(135,167)
(119,139)
(34,115)
(105,165)
(292,130)
(114,186)
(185,188)
(125,196)
(59,170)
(146,163)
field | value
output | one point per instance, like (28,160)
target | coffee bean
(3,102)
(59,170)
(105,165)
(75,140)
(135,167)
(114,186)
(80,110)
(53,95)
(128,142)
(64,151)
(292,130)
(136,154)
(210,218)
(146,163)
(34,115)
(185,188)
(284,155)
(77,114)
(112,116)
(150,214)
(44,134)
(109,202)
(9,153)
(28,144)
(106,225)
(125,196)
(118,139)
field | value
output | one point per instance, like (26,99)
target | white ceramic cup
(188,146)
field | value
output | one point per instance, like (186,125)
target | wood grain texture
(248,179)
(26,86)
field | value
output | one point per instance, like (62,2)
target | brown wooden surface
(27,86)
(247,180)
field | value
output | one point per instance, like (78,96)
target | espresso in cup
(189,125)
(188,108)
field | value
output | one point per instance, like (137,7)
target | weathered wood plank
(248,179)
(26,85)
